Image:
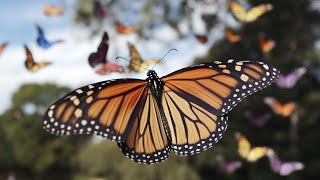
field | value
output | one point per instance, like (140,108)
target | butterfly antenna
(164,56)
(132,62)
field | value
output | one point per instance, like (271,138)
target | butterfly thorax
(155,83)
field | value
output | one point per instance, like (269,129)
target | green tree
(26,148)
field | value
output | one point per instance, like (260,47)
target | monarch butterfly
(231,36)
(266,45)
(201,38)
(244,15)
(3,46)
(283,168)
(247,152)
(97,60)
(137,63)
(284,110)
(51,10)
(42,41)
(185,111)
(122,29)
(30,64)
(228,166)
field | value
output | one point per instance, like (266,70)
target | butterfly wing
(135,58)
(52,10)
(41,39)
(257,11)
(284,110)
(29,62)
(288,167)
(3,46)
(108,109)
(231,36)
(108,68)
(196,98)
(98,10)
(256,153)
(290,80)
(244,146)
(201,38)
(124,29)
(230,167)
(147,142)
(238,11)
(99,57)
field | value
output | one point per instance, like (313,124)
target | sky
(70,58)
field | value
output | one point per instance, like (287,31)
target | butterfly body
(184,112)
(42,40)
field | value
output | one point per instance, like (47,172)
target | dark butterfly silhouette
(30,64)
(97,60)
(3,46)
(283,168)
(258,121)
(98,10)
(42,40)
(228,166)
(201,38)
(289,81)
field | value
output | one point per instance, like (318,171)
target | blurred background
(283,117)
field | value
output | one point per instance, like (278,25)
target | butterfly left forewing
(147,142)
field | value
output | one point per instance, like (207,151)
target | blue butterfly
(42,41)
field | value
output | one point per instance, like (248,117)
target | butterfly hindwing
(147,142)
(107,109)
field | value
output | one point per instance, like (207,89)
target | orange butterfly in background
(201,38)
(51,10)
(30,64)
(185,111)
(136,60)
(231,36)
(250,15)
(284,110)
(122,29)
(251,154)
(265,44)
(3,46)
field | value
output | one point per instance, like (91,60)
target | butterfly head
(154,82)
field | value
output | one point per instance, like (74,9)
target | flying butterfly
(228,166)
(136,63)
(42,40)
(283,168)
(248,15)
(30,64)
(247,152)
(284,110)
(98,10)
(201,38)
(98,61)
(232,37)
(51,10)
(3,46)
(185,111)
(266,45)
(290,80)
(257,120)
(122,29)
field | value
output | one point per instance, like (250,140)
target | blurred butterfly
(290,80)
(185,111)
(3,46)
(30,64)
(284,110)
(228,166)
(231,36)
(122,29)
(201,38)
(283,168)
(248,15)
(266,45)
(42,41)
(258,121)
(51,10)
(98,61)
(137,63)
(247,152)
(98,10)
